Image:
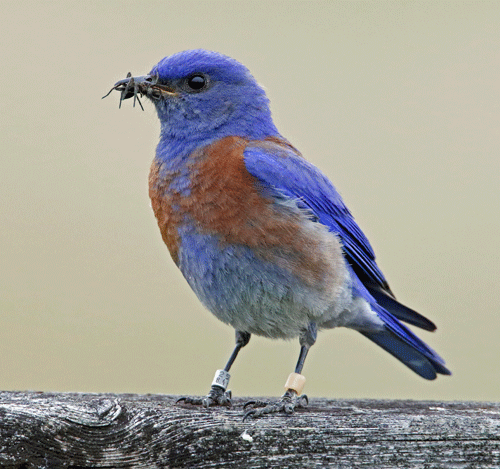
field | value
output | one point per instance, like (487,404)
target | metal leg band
(221,379)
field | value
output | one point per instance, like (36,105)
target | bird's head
(200,94)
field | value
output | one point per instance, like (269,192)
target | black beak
(146,85)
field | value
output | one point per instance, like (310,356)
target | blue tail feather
(400,311)
(425,366)
(403,344)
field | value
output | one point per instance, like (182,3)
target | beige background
(398,103)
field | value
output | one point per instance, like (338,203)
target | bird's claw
(216,397)
(255,404)
(287,405)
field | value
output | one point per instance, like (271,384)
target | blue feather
(298,179)
(288,174)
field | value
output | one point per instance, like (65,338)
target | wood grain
(43,430)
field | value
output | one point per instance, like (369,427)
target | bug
(146,85)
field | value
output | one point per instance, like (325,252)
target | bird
(261,235)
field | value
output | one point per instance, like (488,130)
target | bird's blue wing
(282,170)
(277,165)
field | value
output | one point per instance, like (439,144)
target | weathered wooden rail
(43,430)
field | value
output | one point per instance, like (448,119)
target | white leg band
(295,382)
(221,379)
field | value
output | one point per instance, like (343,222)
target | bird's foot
(216,397)
(287,404)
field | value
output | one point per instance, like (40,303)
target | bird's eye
(197,82)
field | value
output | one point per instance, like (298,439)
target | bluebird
(260,234)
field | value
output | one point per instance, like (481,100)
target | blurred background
(397,102)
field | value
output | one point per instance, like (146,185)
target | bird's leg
(218,395)
(293,386)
